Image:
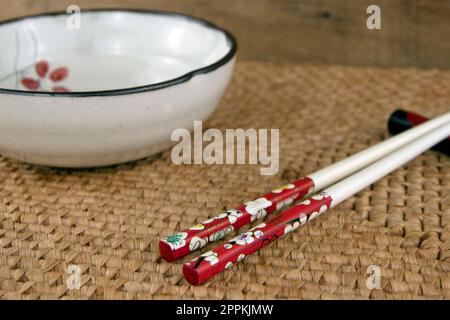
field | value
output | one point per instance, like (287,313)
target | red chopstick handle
(182,243)
(225,256)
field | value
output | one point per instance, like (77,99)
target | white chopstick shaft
(339,170)
(360,180)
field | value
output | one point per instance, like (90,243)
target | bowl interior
(110,50)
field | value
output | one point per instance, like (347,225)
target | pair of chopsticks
(361,170)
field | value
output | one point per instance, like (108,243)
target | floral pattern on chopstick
(177,240)
(44,83)
(251,241)
(257,208)
(221,225)
(282,188)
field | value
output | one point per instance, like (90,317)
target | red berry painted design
(60,89)
(59,74)
(30,84)
(42,68)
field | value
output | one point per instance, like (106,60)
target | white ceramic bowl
(111,91)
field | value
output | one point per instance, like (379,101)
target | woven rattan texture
(108,221)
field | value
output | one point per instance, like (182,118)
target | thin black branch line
(35,44)
(16,71)
(19,71)
(16,62)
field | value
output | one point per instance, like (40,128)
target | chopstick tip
(166,251)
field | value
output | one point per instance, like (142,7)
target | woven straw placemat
(108,221)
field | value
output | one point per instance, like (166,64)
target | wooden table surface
(414,32)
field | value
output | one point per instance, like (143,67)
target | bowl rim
(137,89)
